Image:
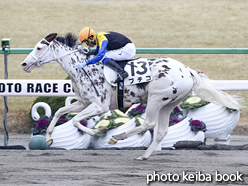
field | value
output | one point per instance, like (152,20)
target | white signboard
(17,87)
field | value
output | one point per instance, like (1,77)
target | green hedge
(54,102)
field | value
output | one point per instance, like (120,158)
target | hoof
(49,142)
(140,158)
(112,141)
(121,136)
(102,128)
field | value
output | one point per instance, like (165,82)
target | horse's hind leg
(153,108)
(163,124)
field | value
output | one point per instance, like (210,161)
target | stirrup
(119,79)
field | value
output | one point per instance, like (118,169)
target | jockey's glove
(87,51)
(84,50)
(81,65)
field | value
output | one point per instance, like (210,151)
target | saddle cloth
(138,72)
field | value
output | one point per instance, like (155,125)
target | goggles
(87,41)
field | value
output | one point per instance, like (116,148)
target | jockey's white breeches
(124,53)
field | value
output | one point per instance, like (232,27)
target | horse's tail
(206,90)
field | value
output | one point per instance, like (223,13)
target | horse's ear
(51,37)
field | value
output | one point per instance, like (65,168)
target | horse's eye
(38,48)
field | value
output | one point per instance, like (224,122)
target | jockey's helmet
(85,33)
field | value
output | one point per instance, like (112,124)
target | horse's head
(40,54)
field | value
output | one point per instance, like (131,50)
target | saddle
(123,63)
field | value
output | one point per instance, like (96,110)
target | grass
(149,24)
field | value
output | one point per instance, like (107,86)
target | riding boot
(122,74)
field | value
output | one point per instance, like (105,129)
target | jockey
(111,48)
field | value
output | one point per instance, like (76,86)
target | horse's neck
(69,59)
(69,62)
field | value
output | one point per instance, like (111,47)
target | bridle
(40,60)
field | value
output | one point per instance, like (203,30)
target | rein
(97,93)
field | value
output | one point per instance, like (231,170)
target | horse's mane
(70,40)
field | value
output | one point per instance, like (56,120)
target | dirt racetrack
(118,167)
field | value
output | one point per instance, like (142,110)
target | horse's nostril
(24,64)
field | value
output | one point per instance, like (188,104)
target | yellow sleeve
(100,37)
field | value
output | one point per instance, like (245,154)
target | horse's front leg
(150,121)
(92,110)
(74,107)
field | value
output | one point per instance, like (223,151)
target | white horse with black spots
(171,82)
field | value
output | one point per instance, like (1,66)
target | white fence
(17,87)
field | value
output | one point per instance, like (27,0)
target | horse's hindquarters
(171,79)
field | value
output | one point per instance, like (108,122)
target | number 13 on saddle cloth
(138,72)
